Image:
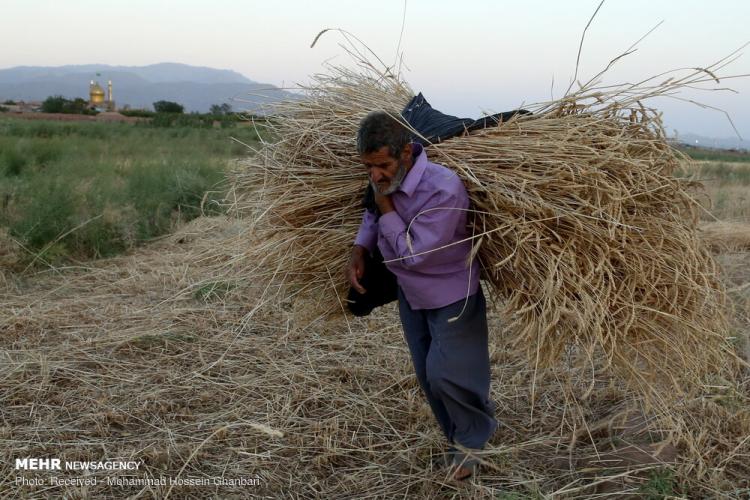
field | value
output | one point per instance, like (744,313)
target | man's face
(385,172)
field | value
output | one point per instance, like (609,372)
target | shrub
(47,214)
(12,162)
(59,104)
(168,107)
(138,113)
(53,104)
(220,109)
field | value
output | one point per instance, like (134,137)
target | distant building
(24,107)
(96,97)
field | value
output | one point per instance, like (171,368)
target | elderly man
(422,234)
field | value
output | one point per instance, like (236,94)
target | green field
(81,190)
(722,155)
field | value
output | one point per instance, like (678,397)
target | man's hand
(356,267)
(384,202)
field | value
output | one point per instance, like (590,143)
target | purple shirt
(437,278)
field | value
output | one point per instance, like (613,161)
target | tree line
(78,105)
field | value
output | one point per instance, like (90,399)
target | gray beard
(395,183)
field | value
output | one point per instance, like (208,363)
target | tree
(221,109)
(168,107)
(77,106)
(59,104)
(54,104)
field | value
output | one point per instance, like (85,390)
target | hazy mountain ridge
(196,88)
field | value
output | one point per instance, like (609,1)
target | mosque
(96,97)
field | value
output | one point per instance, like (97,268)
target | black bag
(379,284)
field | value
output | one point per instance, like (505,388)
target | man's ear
(406,152)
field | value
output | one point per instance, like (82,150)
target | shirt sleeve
(434,227)
(367,236)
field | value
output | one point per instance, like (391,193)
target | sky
(467,57)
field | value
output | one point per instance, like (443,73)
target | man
(421,232)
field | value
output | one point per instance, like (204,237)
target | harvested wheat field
(147,358)
(218,359)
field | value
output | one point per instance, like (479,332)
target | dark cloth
(451,361)
(379,284)
(436,127)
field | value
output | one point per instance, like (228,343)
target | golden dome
(96,93)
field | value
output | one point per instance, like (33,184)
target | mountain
(196,88)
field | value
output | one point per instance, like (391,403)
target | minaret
(109,91)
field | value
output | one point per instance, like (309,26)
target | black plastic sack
(379,284)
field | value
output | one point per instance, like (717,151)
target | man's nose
(375,176)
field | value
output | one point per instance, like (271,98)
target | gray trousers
(452,364)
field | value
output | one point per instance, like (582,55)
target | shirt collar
(415,173)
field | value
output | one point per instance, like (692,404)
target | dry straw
(150,357)
(584,235)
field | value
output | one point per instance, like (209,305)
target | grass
(84,190)
(214,290)
(721,173)
(660,484)
(702,154)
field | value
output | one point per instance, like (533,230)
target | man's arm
(366,239)
(367,236)
(433,228)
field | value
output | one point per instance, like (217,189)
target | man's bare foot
(463,466)
(461,473)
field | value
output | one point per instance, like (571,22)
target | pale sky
(465,56)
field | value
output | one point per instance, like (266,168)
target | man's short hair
(379,129)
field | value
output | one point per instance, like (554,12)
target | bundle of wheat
(581,229)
